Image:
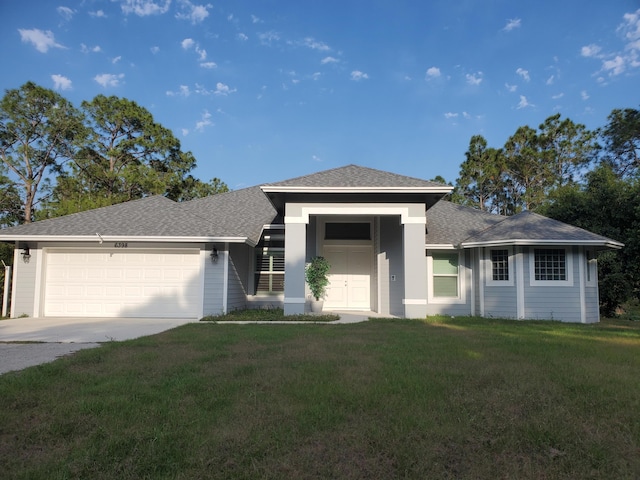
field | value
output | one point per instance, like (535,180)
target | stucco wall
(390,266)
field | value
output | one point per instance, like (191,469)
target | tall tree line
(590,179)
(57,159)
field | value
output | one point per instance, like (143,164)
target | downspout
(7,284)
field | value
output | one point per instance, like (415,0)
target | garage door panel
(135,284)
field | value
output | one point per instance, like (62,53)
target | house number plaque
(121,245)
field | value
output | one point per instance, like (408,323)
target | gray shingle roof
(449,223)
(528,228)
(355,176)
(151,216)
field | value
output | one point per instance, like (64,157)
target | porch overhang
(279,195)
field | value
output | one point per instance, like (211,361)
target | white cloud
(326,60)
(316,75)
(189,43)
(155,49)
(511,88)
(267,38)
(523,73)
(41,39)
(614,66)
(194,13)
(466,115)
(98,14)
(185,132)
(616,63)
(183,91)
(590,50)
(66,13)
(116,59)
(584,95)
(243,37)
(524,103)
(512,24)
(208,65)
(205,121)
(316,158)
(315,45)
(222,89)
(143,8)
(357,75)
(255,19)
(474,79)
(433,72)
(86,49)
(630,29)
(61,82)
(109,79)
(551,80)
(450,115)
(557,96)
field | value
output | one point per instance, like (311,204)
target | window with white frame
(445,275)
(269,272)
(500,265)
(551,266)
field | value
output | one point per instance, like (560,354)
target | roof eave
(288,189)
(124,238)
(529,242)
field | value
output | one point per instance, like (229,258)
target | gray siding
(500,302)
(24,283)
(389,263)
(553,302)
(213,286)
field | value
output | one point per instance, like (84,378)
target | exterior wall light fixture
(214,255)
(26,254)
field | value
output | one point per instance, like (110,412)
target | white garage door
(123,283)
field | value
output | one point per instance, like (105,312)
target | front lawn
(443,398)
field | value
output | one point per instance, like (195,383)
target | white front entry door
(349,277)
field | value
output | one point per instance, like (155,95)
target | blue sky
(262,91)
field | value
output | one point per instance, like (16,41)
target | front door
(349,277)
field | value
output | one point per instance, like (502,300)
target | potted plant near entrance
(317,279)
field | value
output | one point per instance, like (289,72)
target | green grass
(443,398)
(268,315)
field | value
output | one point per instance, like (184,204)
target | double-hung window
(445,275)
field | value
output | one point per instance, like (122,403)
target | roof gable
(354,176)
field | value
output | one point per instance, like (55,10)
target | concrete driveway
(63,336)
